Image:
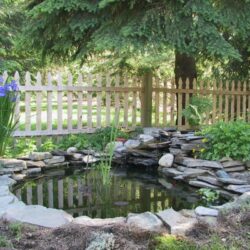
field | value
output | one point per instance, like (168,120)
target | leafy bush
(230,139)
(97,140)
(8,94)
(209,196)
(195,112)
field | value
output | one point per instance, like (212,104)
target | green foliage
(170,242)
(230,139)
(128,30)
(196,111)
(97,140)
(4,242)
(16,230)
(209,196)
(47,146)
(21,147)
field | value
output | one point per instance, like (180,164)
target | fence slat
(49,104)
(157,103)
(28,103)
(164,116)
(244,103)
(125,103)
(89,101)
(238,115)
(187,99)
(59,104)
(99,103)
(79,103)
(214,115)
(134,104)
(226,103)
(232,101)
(220,99)
(172,105)
(179,105)
(108,100)
(117,101)
(69,102)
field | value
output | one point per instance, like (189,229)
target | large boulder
(176,222)
(146,221)
(38,215)
(166,161)
(13,164)
(87,221)
(55,160)
(205,211)
(129,144)
(40,156)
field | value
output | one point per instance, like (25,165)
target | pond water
(86,193)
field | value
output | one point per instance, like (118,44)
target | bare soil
(233,231)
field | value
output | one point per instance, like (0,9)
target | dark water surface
(127,191)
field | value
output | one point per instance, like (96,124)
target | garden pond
(87,193)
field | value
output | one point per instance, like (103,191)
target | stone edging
(11,209)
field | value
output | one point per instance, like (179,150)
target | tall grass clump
(8,96)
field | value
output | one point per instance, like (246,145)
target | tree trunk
(185,68)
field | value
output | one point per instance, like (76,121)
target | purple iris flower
(1,79)
(2,91)
(14,85)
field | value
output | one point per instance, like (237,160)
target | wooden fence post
(146,111)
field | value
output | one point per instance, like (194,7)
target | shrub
(230,139)
(195,112)
(8,94)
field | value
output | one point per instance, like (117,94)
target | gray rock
(205,211)
(58,165)
(89,159)
(190,147)
(32,171)
(229,164)
(146,138)
(132,144)
(6,181)
(222,174)
(151,131)
(166,161)
(76,157)
(239,188)
(202,184)
(232,181)
(40,156)
(247,164)
(224,159)
(198,163)
(55,160)
(235,169)
(71,150)
(240,202)
(87,221)
(176,222)
(192,173)
(38,215)
(13,163)
(6,171)
(18,177)
(171,172)
(4,191)
(210,180)
(179,167)
(35,164)
(145,221)
(176,151)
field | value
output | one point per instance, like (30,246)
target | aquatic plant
(8,96)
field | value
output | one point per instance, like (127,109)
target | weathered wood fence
(64,103)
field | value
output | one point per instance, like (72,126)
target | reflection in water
(85,194)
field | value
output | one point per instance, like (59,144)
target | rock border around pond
(166,221)
(170,148)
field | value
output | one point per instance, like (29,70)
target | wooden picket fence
(60,104)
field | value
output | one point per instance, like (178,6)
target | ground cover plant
(231,139)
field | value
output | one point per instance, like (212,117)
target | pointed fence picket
(60,104)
